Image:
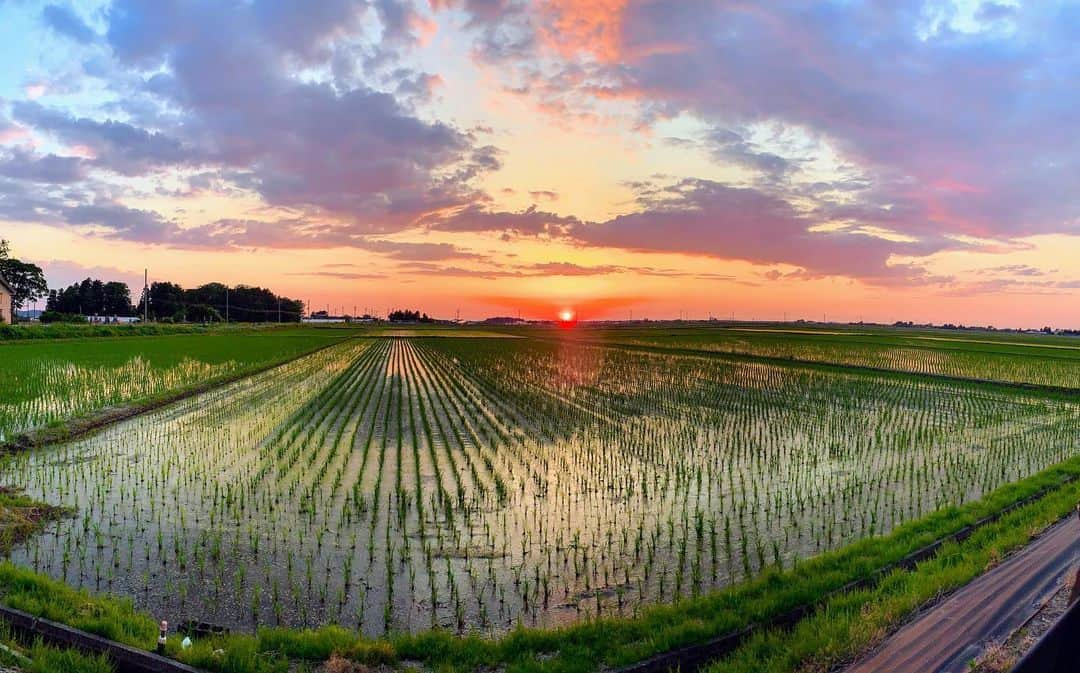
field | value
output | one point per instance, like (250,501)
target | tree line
(91,297)
(169,302)
(216,302)
(406,315)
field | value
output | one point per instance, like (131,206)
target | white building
(6,305)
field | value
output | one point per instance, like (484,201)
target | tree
(409,316)
(166,300)
(92,297)
(27,280)
(117,299)
(203,313)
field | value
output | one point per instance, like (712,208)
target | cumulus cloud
(902,132)
(116,145)
(215,86)
(711,219)
(20,164)
(956,126)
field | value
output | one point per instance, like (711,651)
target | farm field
(1010,358)
(400,484)
(49,381)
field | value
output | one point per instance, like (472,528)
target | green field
(1013,358)
(51,381)
(614,492)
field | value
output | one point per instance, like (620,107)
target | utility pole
(226,304)
(146,295)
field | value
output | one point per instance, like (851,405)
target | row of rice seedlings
(47,390)
(1047,366)
(459,483)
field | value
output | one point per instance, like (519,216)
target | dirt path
(952,633)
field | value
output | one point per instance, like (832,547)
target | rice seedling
(46,382)
(398,484)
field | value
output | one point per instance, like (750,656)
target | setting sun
(566,315)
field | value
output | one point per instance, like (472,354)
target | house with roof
(6,299)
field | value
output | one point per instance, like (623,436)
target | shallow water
(397,484)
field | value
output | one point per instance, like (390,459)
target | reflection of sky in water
(473,483)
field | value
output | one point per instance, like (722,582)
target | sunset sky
(881,161)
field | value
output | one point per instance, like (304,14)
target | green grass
(610,641)
(853,623)
(45,659)
(24,332)
(52,381)
(41,658)
(37,657)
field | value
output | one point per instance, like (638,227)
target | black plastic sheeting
(1058,651)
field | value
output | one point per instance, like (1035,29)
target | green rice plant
(392,485)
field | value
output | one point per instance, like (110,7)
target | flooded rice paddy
(471,484)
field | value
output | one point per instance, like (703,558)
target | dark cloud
(951,128)
(66,22)
(214,86)
(731,147)
(710,219)
(120,221)
(424,252)
(50,169)
(926,128)
(475,218)
(117,146)
(699,217)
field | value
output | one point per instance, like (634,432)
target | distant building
(324,318)
(6,301)
(112,320)
(31,314)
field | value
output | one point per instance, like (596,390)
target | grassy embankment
(25,332)
(846,625)
(37,657)
(21,517)
(35,332)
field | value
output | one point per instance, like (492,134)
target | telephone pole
(146,295)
